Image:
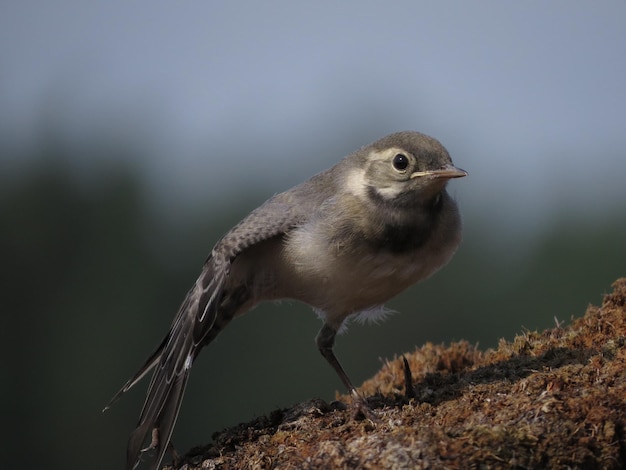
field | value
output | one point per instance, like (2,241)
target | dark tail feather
(172,362)
(165,393)
(163,425)
(152,361)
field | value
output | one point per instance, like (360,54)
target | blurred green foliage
(89,288)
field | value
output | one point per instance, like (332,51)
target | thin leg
(325,341)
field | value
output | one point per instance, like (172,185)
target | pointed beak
(446,173)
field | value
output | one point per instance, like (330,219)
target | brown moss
(551,399)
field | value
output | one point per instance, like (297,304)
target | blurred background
(134,134)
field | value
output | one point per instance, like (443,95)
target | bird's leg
(176,457)
(325,341)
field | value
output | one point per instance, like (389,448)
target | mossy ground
(551,399)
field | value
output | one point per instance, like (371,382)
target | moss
(550,399)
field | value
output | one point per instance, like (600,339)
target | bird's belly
(341,282)
(356,283)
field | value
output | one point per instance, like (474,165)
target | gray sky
(529,97)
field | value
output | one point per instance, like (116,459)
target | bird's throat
(403,225)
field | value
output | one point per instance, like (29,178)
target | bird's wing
(194,323)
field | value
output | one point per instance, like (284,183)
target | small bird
(344,242)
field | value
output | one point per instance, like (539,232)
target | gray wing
(197,323)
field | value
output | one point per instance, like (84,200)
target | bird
(344,242)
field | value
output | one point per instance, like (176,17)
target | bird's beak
(447,173)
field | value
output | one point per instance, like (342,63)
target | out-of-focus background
(134,134)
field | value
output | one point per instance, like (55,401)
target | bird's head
(405,168)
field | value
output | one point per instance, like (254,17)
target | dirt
(550,399)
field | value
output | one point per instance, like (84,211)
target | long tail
(172,361)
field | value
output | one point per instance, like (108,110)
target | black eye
(400,162)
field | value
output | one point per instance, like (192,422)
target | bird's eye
(400,162)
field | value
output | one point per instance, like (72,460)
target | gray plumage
(345,241)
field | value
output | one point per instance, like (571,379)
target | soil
(550,399)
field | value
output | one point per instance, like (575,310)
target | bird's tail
(152,361)
(172,362)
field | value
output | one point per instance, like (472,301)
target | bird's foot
(154,444)
(360,410)
(154,441)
